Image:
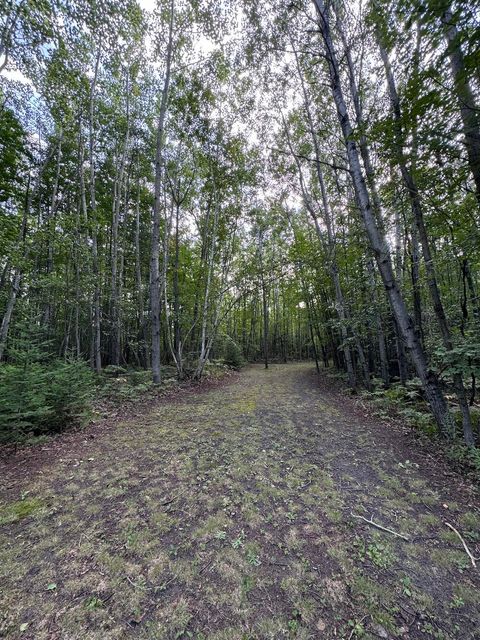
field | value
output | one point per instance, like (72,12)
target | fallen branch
(468,552)
(379,526)
(206,566)
(170,500)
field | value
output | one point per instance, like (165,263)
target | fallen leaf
(321,626)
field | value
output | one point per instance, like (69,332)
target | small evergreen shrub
(140,377)
(40,393)
(42,398)
(233,354)
(116,384)
(114,371)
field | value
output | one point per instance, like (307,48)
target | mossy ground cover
(226,515)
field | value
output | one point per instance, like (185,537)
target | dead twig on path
(179,495)
(307,484)
(467,550)
(206,566)
(379,526)
(164,585)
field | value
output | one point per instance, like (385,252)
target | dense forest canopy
(189,180)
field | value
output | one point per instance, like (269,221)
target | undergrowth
(407,404)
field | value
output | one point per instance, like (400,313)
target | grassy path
(226,515)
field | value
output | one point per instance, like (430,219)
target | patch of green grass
(162,523)
(429,519)
(18,510)
(466,593)
(367,589)
(470,522)
(451,559)
(211,526)
(423,601)
(406,583)
(378,551)
(248,583)
(293,541)
(244,405)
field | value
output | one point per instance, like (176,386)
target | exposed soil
(227,515)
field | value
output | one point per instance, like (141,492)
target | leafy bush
(405,402)
(464,358)
(466,457)
(419,419)
(42,397)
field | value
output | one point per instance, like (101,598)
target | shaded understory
(227,515)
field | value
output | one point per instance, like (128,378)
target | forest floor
(226,514)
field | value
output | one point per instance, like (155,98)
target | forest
(240,319)
(186,181)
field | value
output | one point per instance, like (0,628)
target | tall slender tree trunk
(399,344)
(382,343)
(95,312)
(141,324)
(363,144)
(265,323)
(177,338)
(155,293)
(265,314)
(210,263)
(81,212)
(378,243)
(117,197)
(50,226)
(7,316)
(417,210)
(415,275)
(469,109)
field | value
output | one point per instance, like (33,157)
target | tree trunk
(417,210)
(96,313)
(141,325)
(8,311)
(210,262)
(382,343)
(50,225)
(378,243)
(115,250)
(469,110)
(265,323)
(155,293)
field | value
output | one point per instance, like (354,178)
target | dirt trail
(226,515)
